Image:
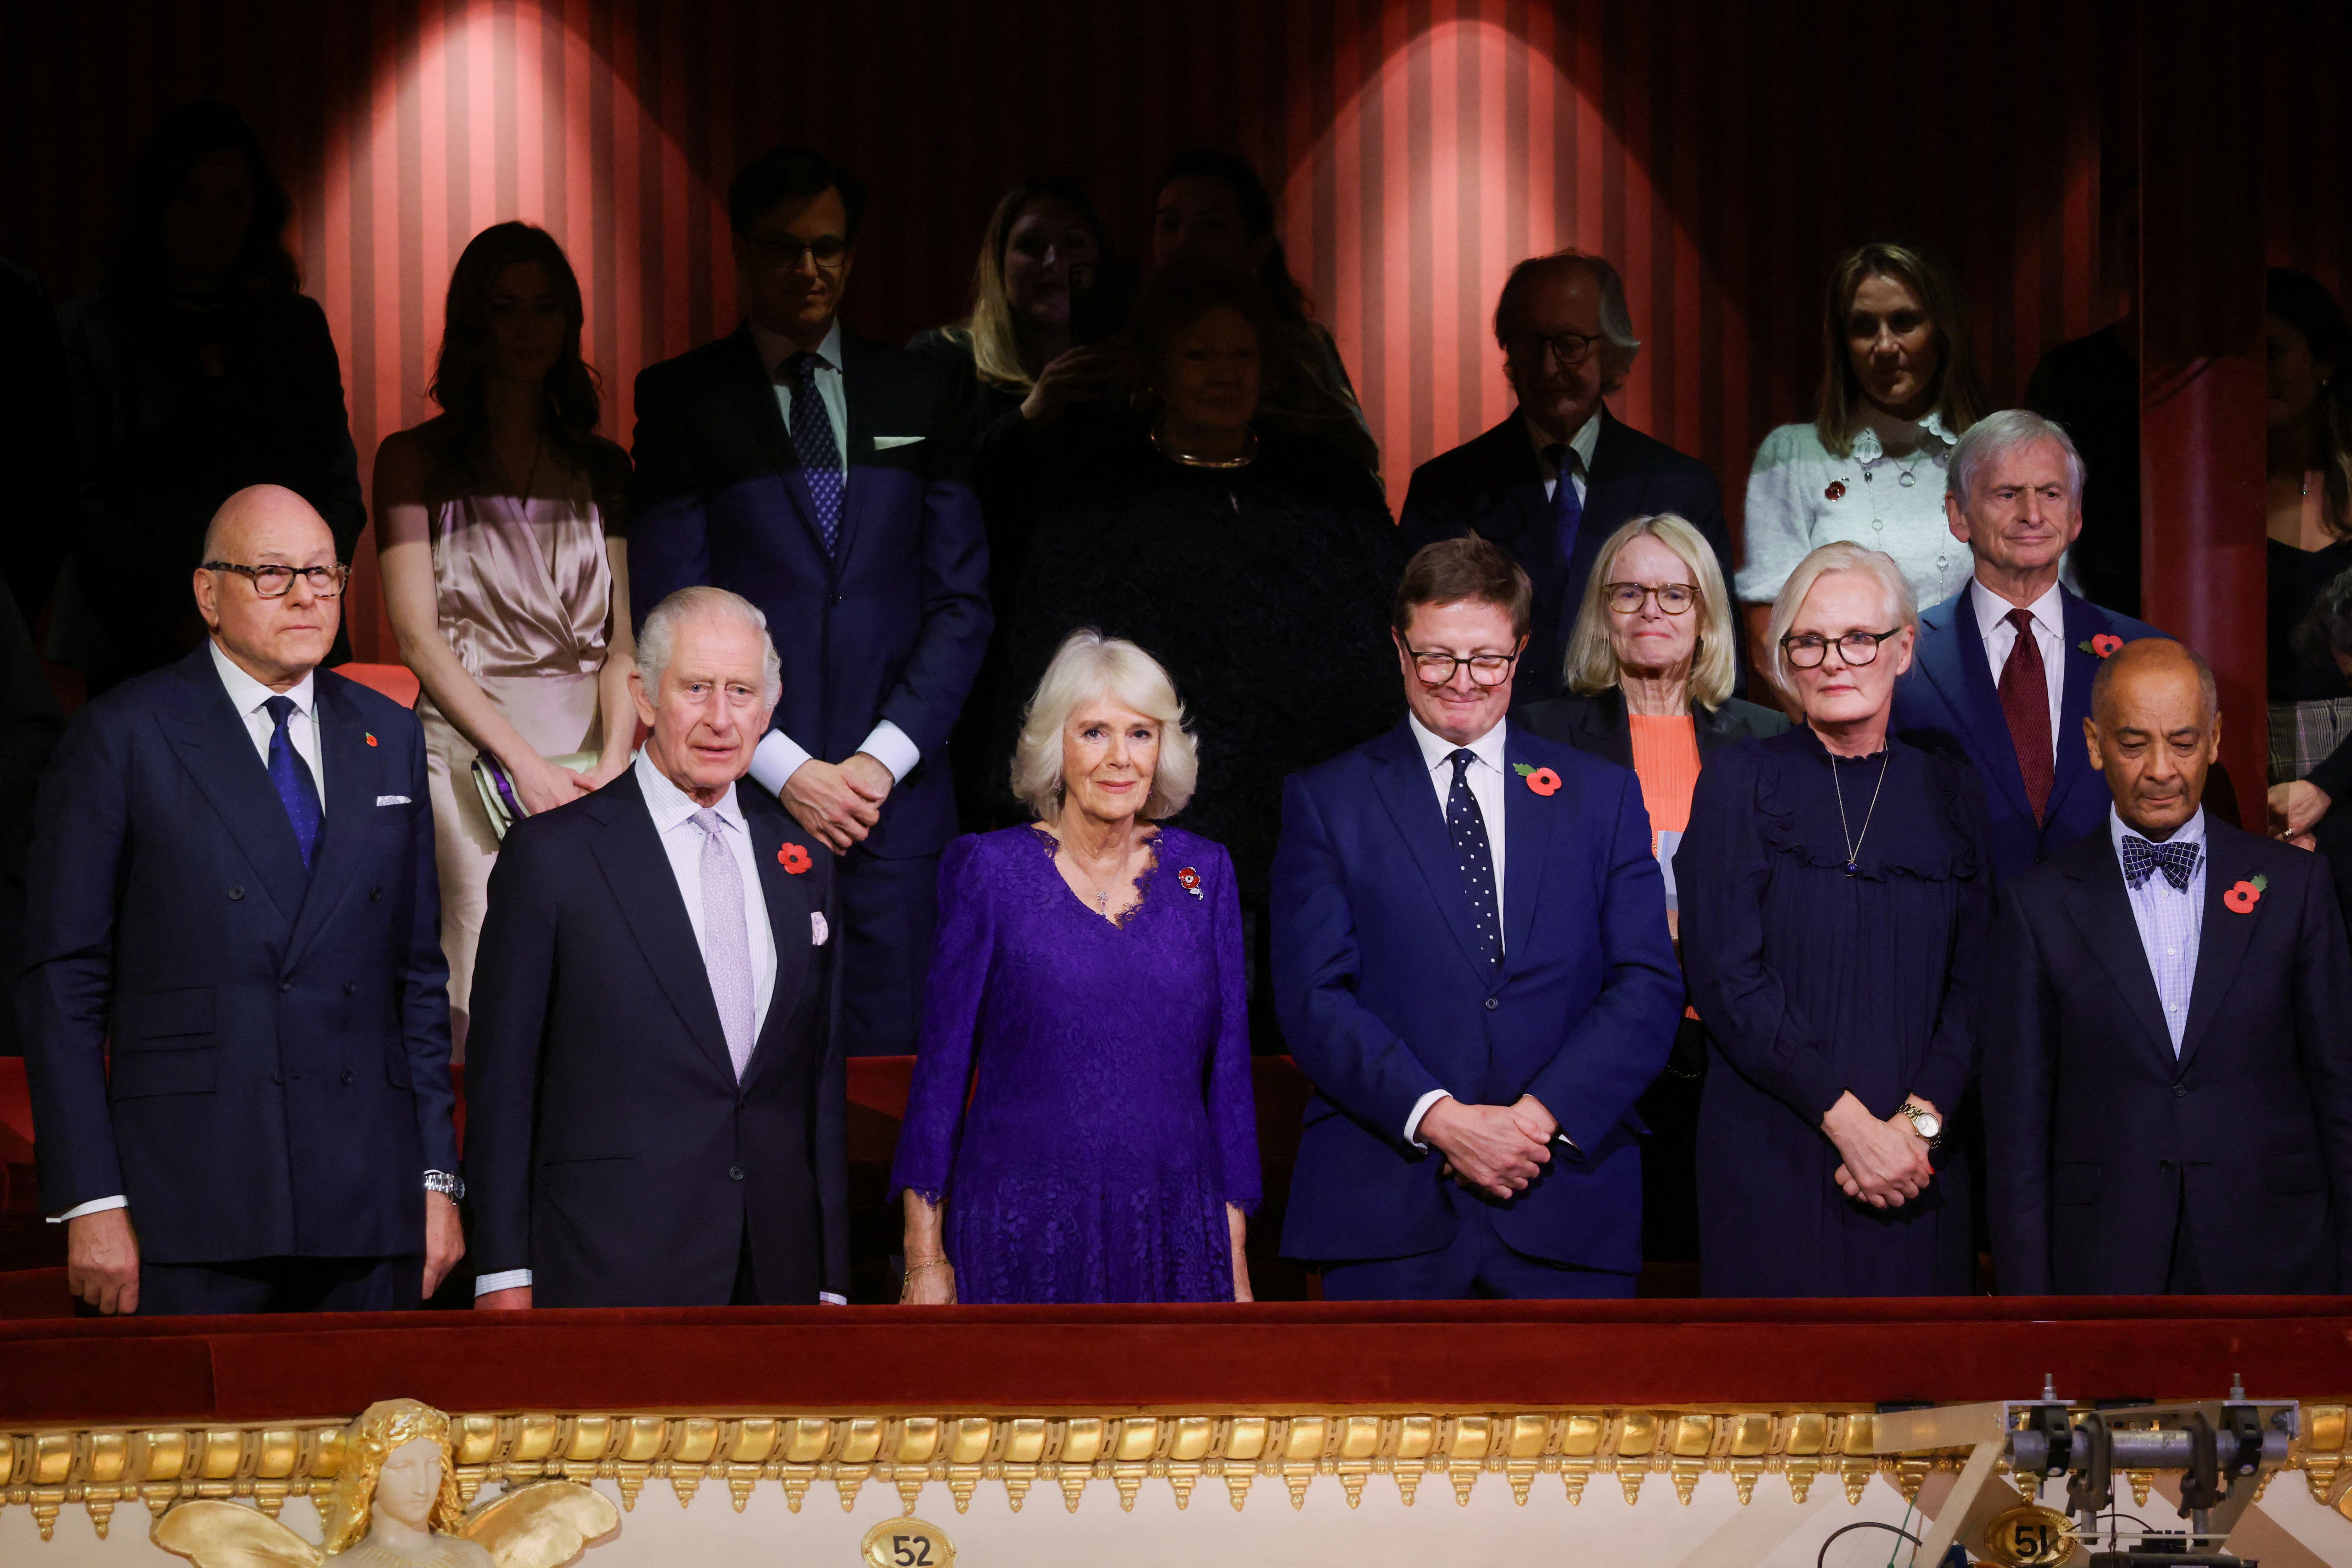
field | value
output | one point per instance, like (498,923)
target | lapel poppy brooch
(1543,781)
(370,739)
(2243,896)
(794,858)
(2105,645)
(1836,490)
(1189,880)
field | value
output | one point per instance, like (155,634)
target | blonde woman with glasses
(1835,902)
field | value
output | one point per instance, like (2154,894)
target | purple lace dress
(1110,1118)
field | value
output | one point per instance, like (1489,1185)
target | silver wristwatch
(448,1185)
(1924,1122)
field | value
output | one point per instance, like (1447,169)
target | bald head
(2153,730)
(278,639)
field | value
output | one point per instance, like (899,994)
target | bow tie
(2177,860)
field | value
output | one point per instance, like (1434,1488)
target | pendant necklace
(1853,844)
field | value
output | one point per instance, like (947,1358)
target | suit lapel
(2222,940)
(2101,910)
(1611,733)
(753,393)
(1953,660)
(350,765)
(1528,822)
(857,394)
(211,741)
(2083,622)
(789,906)
(1404,788)
(637,868)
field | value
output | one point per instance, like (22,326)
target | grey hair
(1616,317)
(1090,665)
(1841,555)
(660,631)
(1999,434)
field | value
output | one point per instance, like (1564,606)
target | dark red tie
(2025,703)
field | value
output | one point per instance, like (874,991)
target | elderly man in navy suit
(815,473)
(656,1101)
(1554,481)
(1471,962)
(2168,1065)
(2002,670)
(234,1008)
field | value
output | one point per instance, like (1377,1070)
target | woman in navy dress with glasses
(1834,913)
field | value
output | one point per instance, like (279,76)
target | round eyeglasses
(277,582)
(1855,649)
(1626,598)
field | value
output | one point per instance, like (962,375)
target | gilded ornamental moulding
(181,1472)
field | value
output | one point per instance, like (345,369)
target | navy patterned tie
(2176,859)
(296,791)
(819,451)
(1567,507)
(1468,826)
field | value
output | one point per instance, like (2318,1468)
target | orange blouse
(1666,759)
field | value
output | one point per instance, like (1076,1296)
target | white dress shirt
(1485,778)
(2172,924)
(1581,445)
(250,699)
(673,811)
(2049,613)
(780,756)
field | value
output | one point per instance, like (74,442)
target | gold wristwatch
(1924,1121)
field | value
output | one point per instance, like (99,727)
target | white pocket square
(883,443)
(392,800)
(817,932)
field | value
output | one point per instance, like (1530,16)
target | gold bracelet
(928,1263)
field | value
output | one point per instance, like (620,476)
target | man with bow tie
(656,1101)
(2167,1066)
(234,1008)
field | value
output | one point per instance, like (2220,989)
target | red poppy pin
(1836,490)
(1191,881)
(370,739)
(2243,897)
(1543,781)
(794,858)
(2105,645)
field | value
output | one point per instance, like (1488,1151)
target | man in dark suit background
(1555,479)
(868,557)
(2168,1071)
(655,1099)
(2002,670)
(234,1008)
(1471,963)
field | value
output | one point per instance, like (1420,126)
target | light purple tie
(726,940)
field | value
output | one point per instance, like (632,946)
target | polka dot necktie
(819,451)
(298,792)
(1472,853)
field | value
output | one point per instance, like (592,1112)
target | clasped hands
(1885,1162)
(838,803)
(1492,1150)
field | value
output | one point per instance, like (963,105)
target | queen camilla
(1081,1126)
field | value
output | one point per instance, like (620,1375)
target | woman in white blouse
(1898,389)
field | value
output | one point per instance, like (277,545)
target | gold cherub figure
(394,1505)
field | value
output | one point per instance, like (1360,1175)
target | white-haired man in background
(655,1095)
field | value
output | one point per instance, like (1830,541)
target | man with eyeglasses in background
(235,1008)
(1471,965)
(817,474)
(1556,478)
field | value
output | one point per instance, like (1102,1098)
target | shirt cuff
(828,1298)
(890,746)
(1421,1108)
(504,1280)
(776,759)
(95,1206)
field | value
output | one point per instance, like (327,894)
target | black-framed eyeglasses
(1571,348)
(1625,598)
(786,254)
(1855,649)
(1486,668)
(277,582)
